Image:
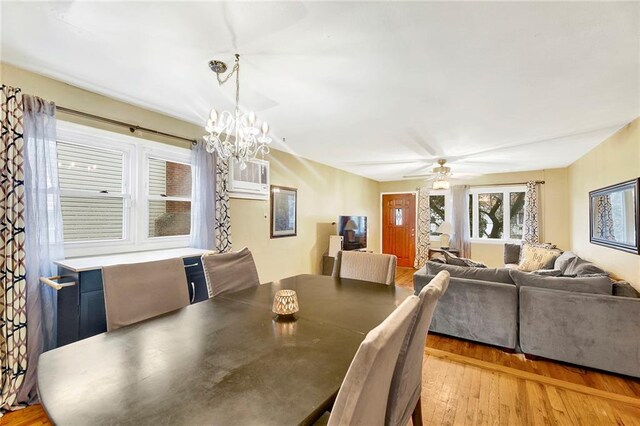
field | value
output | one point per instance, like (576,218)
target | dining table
(228,360)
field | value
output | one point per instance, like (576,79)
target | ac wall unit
(252,182)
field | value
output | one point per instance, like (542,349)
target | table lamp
(445,229)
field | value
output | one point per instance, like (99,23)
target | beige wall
(324,193)
(615,160)
(554,206)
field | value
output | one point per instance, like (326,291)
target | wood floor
(475,384)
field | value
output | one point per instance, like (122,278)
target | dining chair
(362,399)
(138,291)
(229,272)
(377,268)
(406,385)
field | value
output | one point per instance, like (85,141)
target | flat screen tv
(353,230)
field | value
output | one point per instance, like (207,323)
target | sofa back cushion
(594,285)
(570,264)
(496,275)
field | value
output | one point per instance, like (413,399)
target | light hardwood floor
(470,383)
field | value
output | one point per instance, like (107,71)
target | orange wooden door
(399,226)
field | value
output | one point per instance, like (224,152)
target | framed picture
(284,211)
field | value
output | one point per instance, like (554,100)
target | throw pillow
(571,264)
(512,253)
(452,259)
(535,257)
(624,289)
(498,275)
(594,285)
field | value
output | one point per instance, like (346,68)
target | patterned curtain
(13,285)
(531,226)
(223,219)
(604,218)
(423,232)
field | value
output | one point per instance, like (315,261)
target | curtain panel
(13,291)
(531,225)
(203,197)
(44,237)
(223,217)
(461,238)
(423,240)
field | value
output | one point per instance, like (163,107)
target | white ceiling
(379,89)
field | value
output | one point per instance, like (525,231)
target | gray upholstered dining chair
(138,291)
(377,268)
(406,385)
(229,272)
(362,399)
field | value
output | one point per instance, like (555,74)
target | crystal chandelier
(235,135)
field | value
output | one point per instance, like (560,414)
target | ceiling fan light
(440,183)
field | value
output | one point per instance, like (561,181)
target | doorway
(399,227)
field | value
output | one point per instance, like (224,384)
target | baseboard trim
(461,359)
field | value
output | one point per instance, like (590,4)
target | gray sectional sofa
(579,318)
(480,304)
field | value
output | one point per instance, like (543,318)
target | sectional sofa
(577,317)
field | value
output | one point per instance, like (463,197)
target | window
(437,205)
(168,198)
(440,205)
(92,192)
(120,193)
(497,213)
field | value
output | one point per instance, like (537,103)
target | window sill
(492,241)
(99,248)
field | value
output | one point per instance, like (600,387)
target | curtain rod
(132,127)
(539,182)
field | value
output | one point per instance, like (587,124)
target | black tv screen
(353,230)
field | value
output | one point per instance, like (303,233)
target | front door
(399,226)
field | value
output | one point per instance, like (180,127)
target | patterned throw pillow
(451,259)
(534,257)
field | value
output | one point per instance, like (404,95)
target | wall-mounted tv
(353,230)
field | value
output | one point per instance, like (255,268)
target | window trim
(506,226)
(135,219)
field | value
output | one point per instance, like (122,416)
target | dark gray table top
(222,361)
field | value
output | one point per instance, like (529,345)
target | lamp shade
(351,225)
(445,228)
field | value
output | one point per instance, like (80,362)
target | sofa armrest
(476,310)
(598,331)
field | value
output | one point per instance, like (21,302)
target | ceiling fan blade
(431,176)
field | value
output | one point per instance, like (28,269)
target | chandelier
(235,135)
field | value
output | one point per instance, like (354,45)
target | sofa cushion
(451,259)
(571,264)
(536,257)
(511,253)
(496,275)
(624,289)
(594,285)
